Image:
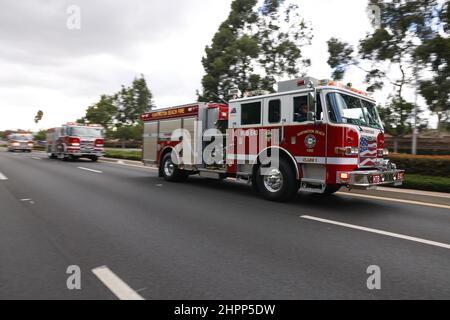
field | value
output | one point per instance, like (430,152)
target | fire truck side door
(307,139)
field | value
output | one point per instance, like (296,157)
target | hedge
(427,183)
(124,154)
(438,166)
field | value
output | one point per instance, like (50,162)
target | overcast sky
(45,65)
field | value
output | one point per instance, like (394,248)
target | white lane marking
(91,170)
(426,204)
(385,233)
(130,165)
(3,177)
(36,158)
(120,289)
(23,200)
(416,192)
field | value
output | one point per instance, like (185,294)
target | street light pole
(415,128)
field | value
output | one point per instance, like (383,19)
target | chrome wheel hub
(169,168)
(273,181)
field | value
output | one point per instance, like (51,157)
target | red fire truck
(73,141)
(312,135)
(20,141)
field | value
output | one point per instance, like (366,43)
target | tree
(127,132)
(41,135)
(102,112)
(399,41)
(120,113)
(38,116)
(434,54)
(131,102)
(341,57)
(254,47)
(397,118)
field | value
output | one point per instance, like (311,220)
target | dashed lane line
(116,285)
(381,232)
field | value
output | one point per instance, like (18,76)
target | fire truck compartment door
(190,125)
(150,141)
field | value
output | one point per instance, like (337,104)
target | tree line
(258,45)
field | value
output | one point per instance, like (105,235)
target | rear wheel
(170,171)
(277,184)
(94,159)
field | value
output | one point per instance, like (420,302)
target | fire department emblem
(310,141)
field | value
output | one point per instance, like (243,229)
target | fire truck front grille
(87,146)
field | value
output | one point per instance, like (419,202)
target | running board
(212,174)
(313,186)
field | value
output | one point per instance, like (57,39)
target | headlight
(383,153)
(348,151)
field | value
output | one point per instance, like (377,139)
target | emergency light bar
(303,83)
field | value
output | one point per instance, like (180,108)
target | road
(209,240)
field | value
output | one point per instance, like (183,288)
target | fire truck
(311,135)
(20,141)
(73,141)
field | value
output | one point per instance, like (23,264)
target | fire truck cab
(73,141)
(313,136)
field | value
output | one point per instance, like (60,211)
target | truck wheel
(329,190)
(170,171)
(279,185)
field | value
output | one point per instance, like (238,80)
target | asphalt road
(209,240)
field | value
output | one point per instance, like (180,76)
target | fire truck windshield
(88,132)
(348,109)
(21,137)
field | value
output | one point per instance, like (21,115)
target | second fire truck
(313,136)
(73,141)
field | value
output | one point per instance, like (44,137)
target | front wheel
(170,171)
(277,184)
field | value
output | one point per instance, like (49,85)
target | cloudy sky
(46,65)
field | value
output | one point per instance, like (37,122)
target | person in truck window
(301,109)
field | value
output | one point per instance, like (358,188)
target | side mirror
(312,107)
(312,102)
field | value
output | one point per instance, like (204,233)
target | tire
(330,190)
(94,159)
(281,186)
(170,171)
(52,156)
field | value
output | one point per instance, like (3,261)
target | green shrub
(438,166)
(427,183)
(124,154)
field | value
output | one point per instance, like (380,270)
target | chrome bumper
(21,148)
(373,178)
(78,153)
